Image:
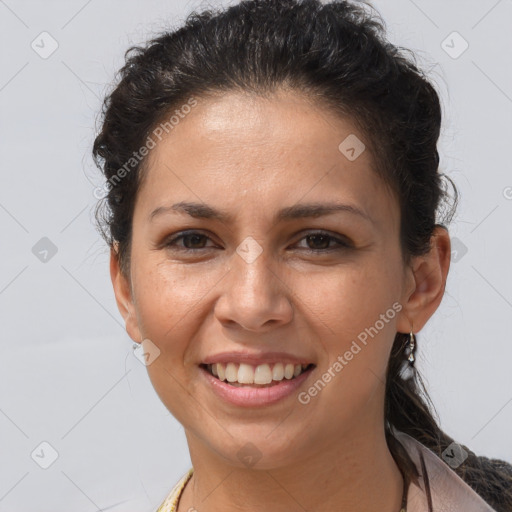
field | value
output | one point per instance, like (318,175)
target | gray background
(68,374)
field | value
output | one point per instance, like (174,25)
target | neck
(356,473)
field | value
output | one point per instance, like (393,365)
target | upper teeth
(261,374)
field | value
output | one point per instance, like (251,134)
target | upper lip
(255,358)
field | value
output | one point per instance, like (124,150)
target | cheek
(167,304)
(172,388)
(349,299)
(358,310)
(168,297)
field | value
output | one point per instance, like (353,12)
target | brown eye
(192,241)
(195,240)
(321,242)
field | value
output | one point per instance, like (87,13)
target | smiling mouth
(255,376)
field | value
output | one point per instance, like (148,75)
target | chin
(263,448)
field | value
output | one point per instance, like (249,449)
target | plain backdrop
(73,396)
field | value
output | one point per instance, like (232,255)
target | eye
(193,239)
(321,242)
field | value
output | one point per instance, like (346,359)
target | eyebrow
(298,211)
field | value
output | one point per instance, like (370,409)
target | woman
(273,186)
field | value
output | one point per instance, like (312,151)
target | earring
(407,367)
(412,347)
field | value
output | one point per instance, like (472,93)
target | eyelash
(342,244)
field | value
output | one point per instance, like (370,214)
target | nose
(254,295)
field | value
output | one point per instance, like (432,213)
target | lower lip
(246,396)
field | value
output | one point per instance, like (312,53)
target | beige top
(171,502)
(448,491)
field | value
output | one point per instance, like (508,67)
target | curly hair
(337,55)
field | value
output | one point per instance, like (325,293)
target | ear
(426,283)
(124,299)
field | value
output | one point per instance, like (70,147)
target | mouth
(256,376)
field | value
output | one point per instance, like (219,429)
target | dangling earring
(407,368)
(412,347)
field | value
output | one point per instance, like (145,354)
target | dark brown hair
(335,54)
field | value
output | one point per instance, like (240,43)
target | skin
(252,156)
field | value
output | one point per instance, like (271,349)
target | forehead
(237,148)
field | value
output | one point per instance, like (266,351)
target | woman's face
(253,283)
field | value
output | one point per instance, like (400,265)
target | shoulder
(477,483)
